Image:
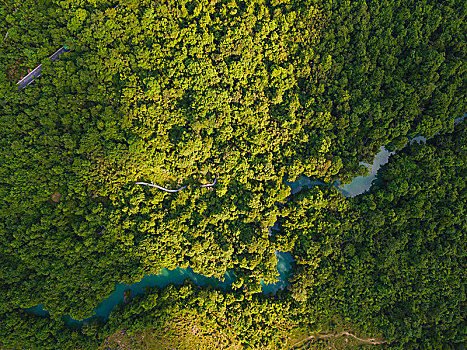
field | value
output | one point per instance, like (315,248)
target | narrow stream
(359,185)
(178,276)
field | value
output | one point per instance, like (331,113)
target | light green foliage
(254,93)
(163,93)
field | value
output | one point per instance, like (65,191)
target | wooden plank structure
(28,79)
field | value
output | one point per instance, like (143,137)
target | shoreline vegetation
(259,93)
(357,186)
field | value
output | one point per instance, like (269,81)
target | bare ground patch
(56,197)
(14,72)
(180,334)
(337,341)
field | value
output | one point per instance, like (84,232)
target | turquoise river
(358,185)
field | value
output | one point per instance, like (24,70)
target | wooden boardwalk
(28,79)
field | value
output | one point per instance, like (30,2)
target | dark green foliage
(389,69)
(34,28)
(20,330)
(393,260)
(415,230)
(177,92)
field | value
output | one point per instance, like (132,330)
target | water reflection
(179,275)
(361,184)
(303,182)
(284,267)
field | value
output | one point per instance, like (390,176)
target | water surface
(359,185)
(176,277)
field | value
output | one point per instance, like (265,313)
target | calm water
(303,182)
(359,185)
(284,268)
(177,277)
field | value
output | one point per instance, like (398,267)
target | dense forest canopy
(252,93)
(395,257)
(403,281)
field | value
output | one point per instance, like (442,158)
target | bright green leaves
(177,92)
(77,20)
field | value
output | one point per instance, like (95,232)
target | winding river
(177,277)
(359,185)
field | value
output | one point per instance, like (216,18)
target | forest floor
(180,334)
(14,74)
(340,340)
